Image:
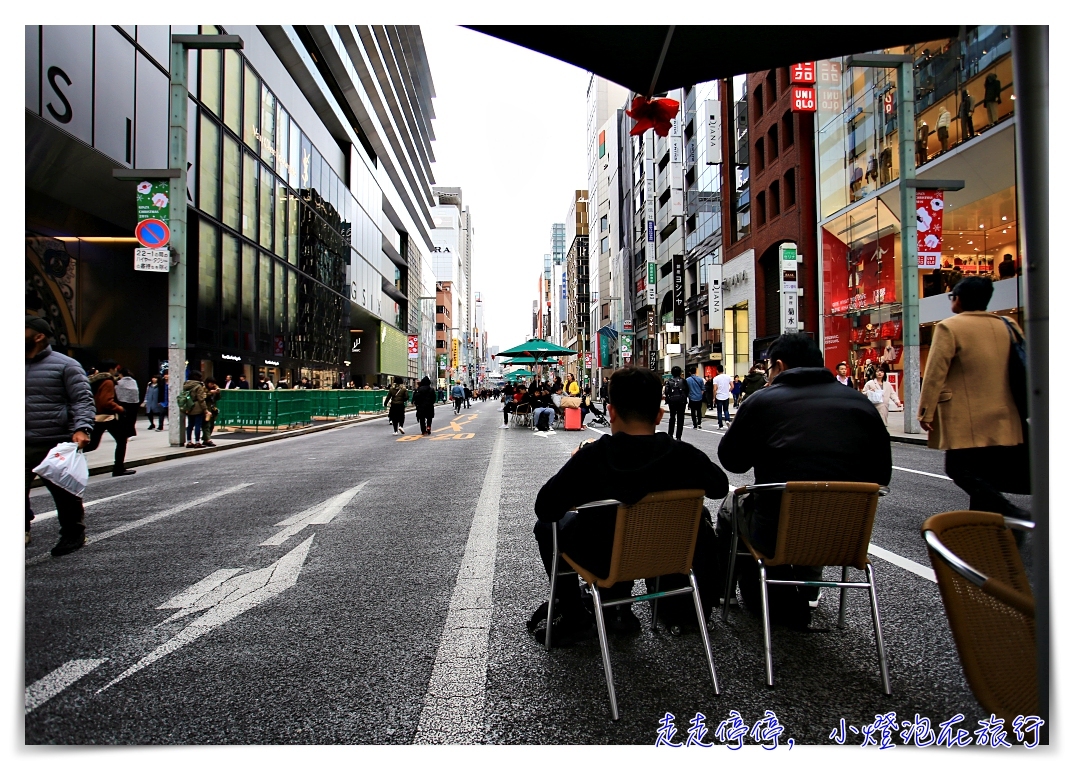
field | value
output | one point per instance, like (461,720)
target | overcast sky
(510,131)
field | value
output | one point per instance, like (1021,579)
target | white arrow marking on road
(322,513)
(224,601)
(51,685)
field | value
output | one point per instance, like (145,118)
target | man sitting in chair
(802,426)
(634,461)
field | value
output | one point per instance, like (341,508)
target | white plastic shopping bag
(66,467)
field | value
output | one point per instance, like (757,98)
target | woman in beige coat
(880,393)
(966,401)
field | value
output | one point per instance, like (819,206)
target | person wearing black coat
(424,401)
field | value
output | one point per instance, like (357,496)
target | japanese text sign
(804,73)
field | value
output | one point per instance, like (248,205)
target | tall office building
(577,331)
(309,186)
(451,258)
(557,244)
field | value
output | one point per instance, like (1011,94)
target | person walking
(880,393)
(59,408)
(695,386)
(228,382)
(675,392)
(721,383)
(842,374)
(709,395)
(127,396)
(736,391)
(193,394)
(109,413)
(469,394)
(967,406)
(212,395)
(754,381)
(244,384)
(397,400)
(152,400)
(507,398)
(425,406)
(458,395)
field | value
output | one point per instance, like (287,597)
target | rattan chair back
(993,625)
(656,536)
(825,523)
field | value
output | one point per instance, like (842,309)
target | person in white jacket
(880,393)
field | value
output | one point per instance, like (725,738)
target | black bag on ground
(542,421)
(709,569)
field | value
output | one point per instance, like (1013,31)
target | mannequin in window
(965,113)
(885,165)
(991,97)
(870,169)
(942,124)
(922,143)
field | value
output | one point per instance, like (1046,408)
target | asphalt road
(352,586)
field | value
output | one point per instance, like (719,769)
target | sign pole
(911,339)
(177,119)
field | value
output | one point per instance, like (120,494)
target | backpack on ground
(184,401)
(542,421)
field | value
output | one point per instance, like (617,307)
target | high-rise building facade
(451,260)
(577,332)
(308,228)
(557,244)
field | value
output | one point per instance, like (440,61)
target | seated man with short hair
(802,426)
(632,462)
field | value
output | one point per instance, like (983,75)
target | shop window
(280,220)
(770,88)
(788,130)
(292,227)
(232,174)
(761,210)
(758,103)
(264,295)
(292,302)
(264,229)
(248,296)
(280,303)
(233,91)
(773,198)
(210,80)
(209,167)
(773,142)
(251,108)
(268,124)
(208,257)
(249,195)
(230,283)
(789,193)
(758,147)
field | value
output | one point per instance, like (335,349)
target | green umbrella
(534,349)
(527,361)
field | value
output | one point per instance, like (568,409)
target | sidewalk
(895,428)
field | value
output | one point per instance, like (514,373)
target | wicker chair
(989,605)
(655,536)
(821,524)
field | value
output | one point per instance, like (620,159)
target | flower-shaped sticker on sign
(924,220)
(144,187)
(937,204)
(932,241)
(160,200)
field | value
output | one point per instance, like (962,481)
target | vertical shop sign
(789,288)
(652,359)
(805,72)
(588,360)
(626,347)
(412,346)
(678,288)
(929,228)
(713,145)
(454,352)
(715,296)
(675,179)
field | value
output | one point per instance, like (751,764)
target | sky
(510,131)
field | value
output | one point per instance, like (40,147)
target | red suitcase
(572,418)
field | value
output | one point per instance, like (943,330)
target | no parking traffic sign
(153,233)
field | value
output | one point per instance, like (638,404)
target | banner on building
(804,73)
(715,296)
(713,142)
(588,360)
(678,288)
(454,352)
(929,228)
(412,346)
(803,100)
(652,359)
(788,264)
(676,201)
(626,347)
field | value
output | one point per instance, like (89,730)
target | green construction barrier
(264,408)
(335,403)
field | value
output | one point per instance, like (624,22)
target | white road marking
(322,513)
(224,602)
(902,561)
(52,514)
(921,473)
(51,685)
(455,701)
(150,519)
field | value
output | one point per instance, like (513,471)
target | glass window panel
(281,220)
(282,122)
(208,255)
(280,304)
(292,228)
(210,80)
(209,167)
(315,171)
(294,163)
(249,195)
(306,163)
(230,282)
(265,212)
(251,98)
(232,174)
(268,124)
(249,293)
(292,303)
(233,91)
(265,281)
(327,188)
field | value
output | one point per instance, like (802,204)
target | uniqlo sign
(929,228)
(805,72)
(803,100)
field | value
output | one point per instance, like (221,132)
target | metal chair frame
(951,559)
(523,415)
(599,604)
(843,584)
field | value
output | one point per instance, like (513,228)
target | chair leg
(552,589)
(652,606)
(876,627)
(704,631)
(602,633)
(729,587)
(767,627)
(843,600)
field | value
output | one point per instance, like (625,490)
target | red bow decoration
(652,113)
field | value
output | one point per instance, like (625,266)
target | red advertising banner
(836,341)
(412,346)
(803,100)
(806,72)
(858,278)
(588,360)
(929,228)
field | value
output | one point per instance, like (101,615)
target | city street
(352,586)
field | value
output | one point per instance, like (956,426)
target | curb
(102,469)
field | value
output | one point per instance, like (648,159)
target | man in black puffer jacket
(59,408)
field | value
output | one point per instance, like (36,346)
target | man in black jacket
(804,426)
(632,462)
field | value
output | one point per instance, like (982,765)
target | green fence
(285,408)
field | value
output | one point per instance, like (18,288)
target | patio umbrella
(533,349)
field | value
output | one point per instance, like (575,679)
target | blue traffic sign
(152,233)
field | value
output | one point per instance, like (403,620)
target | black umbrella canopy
(653,59)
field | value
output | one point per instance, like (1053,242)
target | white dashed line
(51,685)
(902,561)
(52,514)
(921,473)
